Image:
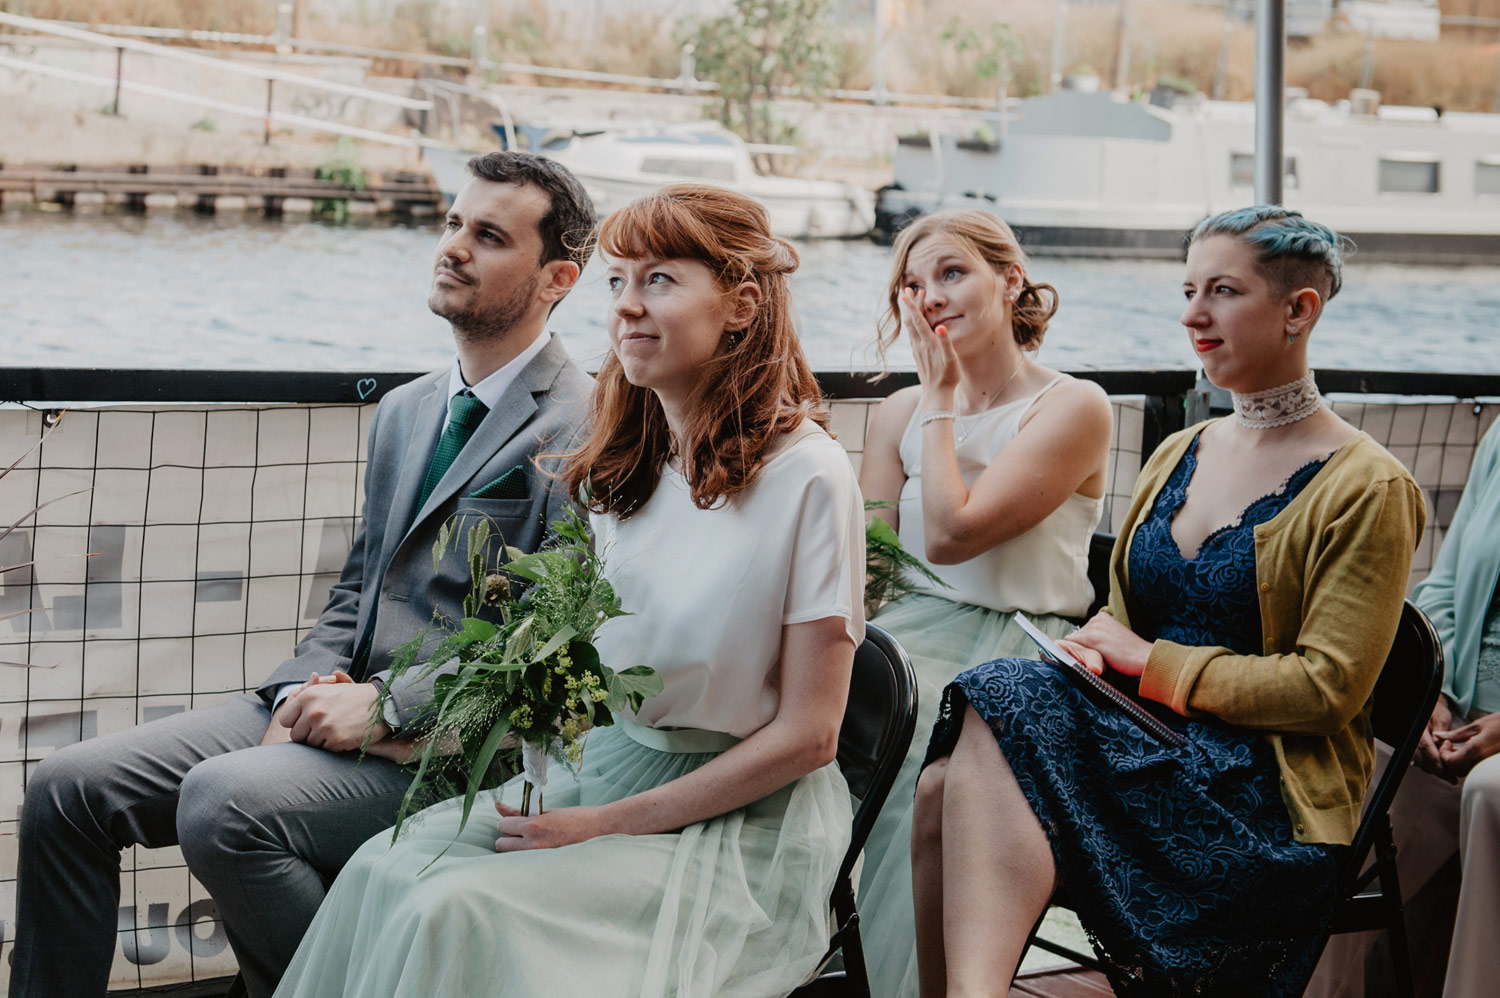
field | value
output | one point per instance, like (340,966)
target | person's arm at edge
(1435,594)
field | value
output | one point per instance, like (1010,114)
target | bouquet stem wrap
(534,764)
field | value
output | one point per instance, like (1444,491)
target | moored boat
(618,164)
(1092,174)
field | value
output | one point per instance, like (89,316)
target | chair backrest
(877,729)
(1405,693)
(1101,546)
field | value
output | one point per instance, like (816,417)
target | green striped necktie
(465,413)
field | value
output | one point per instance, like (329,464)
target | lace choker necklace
(1278,406)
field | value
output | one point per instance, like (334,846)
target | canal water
(179,290)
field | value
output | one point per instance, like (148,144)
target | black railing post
(1161,417)
(119,72)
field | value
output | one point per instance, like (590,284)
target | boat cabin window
(1414,175)
(706,169)
(1487,177)
(1242,170)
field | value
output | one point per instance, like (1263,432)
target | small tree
(761,47)
(992,49)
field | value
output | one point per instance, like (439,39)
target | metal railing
(268,114)
(476,63)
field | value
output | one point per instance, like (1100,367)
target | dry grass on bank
(205,15)
(1167,39)
(1174,40)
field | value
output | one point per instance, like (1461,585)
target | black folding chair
(1370,898)
(1404,697)
(1101,546)
(877,731)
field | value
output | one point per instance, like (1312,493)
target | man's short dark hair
(567,227)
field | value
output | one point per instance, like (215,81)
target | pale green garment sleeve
(1445,595)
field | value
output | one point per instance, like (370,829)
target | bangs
(665,225)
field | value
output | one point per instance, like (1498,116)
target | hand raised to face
(937,361)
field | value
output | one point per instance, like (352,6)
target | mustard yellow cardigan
(1332,571)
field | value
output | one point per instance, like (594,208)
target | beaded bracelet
(934,415)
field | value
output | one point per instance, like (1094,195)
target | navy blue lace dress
(1180,862)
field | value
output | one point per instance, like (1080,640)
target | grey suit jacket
(388,581)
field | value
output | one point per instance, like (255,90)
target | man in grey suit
(266,793)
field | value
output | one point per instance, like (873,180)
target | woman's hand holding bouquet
(517,680)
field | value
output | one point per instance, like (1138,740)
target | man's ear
(558,278)
(746,300)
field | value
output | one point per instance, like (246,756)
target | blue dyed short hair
(1294,252)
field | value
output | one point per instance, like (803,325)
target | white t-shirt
(709,590)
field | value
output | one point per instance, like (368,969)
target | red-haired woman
(695,852)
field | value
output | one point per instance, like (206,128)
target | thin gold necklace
(961,432)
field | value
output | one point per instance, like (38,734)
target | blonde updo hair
(988,240)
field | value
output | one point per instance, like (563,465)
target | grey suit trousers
(203,780)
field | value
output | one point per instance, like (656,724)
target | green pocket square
(511,485)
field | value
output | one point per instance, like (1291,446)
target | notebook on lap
(1111,697)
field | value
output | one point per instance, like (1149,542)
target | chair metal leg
(856,976)
(1031,941)
(1395,918)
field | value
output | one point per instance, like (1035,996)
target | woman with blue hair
(1254,593)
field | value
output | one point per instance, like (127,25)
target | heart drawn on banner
(364,386)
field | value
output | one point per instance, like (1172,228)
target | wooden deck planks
(1065,982)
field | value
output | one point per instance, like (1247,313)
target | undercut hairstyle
(567,227)
(1292,252)
(989,241)
(756,388)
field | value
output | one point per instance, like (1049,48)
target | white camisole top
(1044,570)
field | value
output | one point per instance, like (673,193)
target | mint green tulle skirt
(943,639)
(733,906)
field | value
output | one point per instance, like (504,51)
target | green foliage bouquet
(890,569)
(518,678)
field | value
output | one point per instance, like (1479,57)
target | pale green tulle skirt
(733,906)
(943,639)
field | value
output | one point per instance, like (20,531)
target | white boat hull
(798,209)
(793,215)
(1137,177)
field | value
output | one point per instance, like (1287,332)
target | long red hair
(756,388)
